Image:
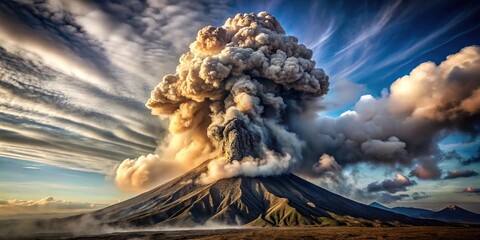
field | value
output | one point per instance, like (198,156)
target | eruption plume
(245,96)
(232,91)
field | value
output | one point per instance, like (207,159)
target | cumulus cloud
(426,169)
(379,150)
(231,94)
(460,174)
(402,127)
(47,205)
(399,184)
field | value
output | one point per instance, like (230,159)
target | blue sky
(75,76)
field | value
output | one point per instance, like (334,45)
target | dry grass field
(295,233)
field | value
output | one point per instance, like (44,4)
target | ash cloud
(134,174)
(231,94)
(399,184)
(460,174)
(403,126)
(247,94)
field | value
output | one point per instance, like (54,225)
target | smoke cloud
(403,126)
(134,174)
(247,97)
(229,100)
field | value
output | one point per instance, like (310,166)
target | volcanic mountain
(455,213)
(237,93)
(285,200)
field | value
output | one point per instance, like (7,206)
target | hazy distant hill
(451,213)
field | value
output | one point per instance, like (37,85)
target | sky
(75,77)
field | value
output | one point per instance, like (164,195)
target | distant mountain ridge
(452,213)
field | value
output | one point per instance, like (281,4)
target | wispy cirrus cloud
(74,76)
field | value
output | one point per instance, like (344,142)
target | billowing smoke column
(232,90)
(245,95)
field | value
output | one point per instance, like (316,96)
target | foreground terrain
(293,233)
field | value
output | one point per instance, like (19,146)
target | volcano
(284,200)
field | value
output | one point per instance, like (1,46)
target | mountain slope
(285,200)
(378,205)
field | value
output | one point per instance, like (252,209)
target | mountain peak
(452,207)
(455,213)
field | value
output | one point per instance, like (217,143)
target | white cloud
(47,205)
(403,127)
